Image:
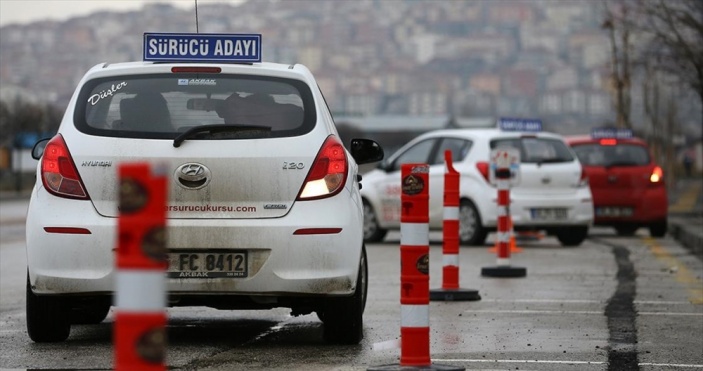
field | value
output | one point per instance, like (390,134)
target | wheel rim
(370,223)
(467,222)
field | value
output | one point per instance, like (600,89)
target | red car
(628,186)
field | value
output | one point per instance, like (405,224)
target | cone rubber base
(454,295)
(504,271)
(398,367)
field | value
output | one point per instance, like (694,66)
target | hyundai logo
(192,175)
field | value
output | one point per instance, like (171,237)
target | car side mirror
(38,149)
(366,151)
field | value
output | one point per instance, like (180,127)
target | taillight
(328,172)
(196,69)
(608,142)
(483,168)
(657,175)
(583,180)
(58,172)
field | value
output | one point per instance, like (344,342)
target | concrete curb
(688,231)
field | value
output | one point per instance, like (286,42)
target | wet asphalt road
(611,304)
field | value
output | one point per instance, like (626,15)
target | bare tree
(24,116)
(675,33)
(619,29)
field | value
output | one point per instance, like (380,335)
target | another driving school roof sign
(608,132)
(200,47)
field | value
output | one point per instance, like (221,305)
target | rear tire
(658,229)
(372,230)
(572,236)
(343,317)
(471,231)
(47,317)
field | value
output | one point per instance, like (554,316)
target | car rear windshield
(622,154)
(165,105)
(537,150)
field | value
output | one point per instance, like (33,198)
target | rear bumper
(578,205)
(280,263)
(648,206)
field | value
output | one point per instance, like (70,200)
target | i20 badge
(192,175)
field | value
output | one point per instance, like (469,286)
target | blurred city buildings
(453,59)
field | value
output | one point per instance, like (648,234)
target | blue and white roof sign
(519,124)
(611,133)
(200,47)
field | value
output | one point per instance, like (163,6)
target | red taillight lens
(483,168)
(58,172)
(328,173)
(608,142)
(657,175)
(583,180)
(196,69)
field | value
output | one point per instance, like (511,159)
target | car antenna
(196,17)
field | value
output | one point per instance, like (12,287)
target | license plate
(613,211)
(548,214)
(208,265)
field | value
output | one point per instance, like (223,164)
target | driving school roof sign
(519,124)
(176,47)
(608,132)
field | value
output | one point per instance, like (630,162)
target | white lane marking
(518,361)
(388,344)
(577,312)
(681,365)
(583,301)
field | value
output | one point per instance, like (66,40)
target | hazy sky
(23,11)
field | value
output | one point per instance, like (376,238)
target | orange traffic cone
(513,245)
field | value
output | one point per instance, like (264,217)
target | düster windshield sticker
(95,98)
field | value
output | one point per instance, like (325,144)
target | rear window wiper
(213,130)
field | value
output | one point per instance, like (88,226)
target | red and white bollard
(450,290)
(140,320)
(504,232)
(415,271)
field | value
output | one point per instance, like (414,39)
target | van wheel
(572,236)
(47,317)
(471,231)
(372,231)
(342,318)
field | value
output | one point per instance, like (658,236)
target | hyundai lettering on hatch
(160,47)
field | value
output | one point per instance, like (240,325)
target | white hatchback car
(256,168)
(552,194)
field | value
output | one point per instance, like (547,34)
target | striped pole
(503,268)
(414,266)
(140,320)
(415,272)
(450,290)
